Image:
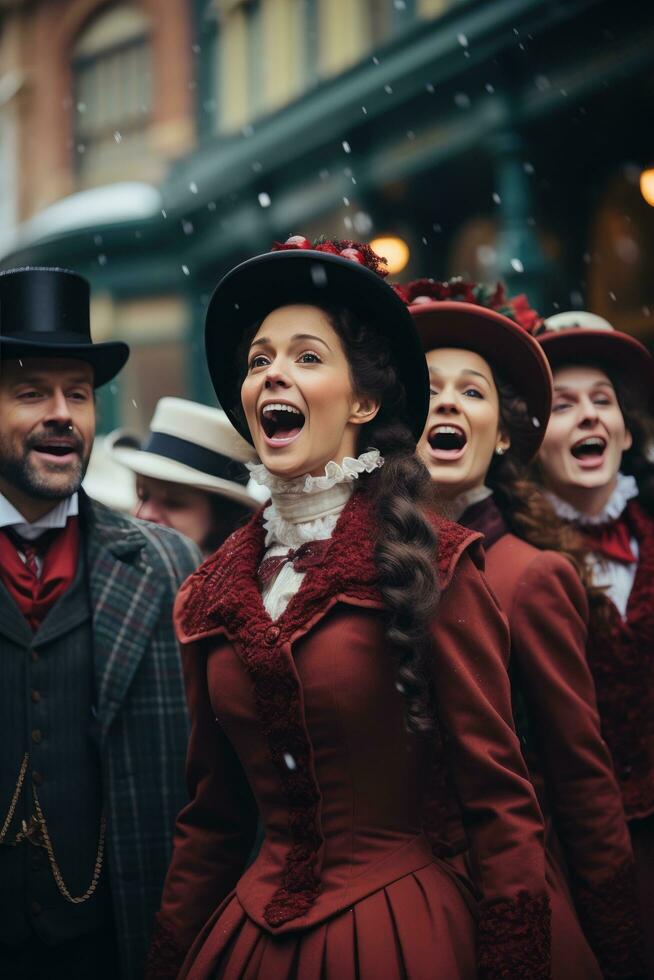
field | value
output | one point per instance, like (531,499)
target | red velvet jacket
(569,763)
(236,657)
(621,658)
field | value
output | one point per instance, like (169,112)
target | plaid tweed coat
(141,727)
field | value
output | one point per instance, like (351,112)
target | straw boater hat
(474,317)
(327,273)
(45,313)
(190,444)
(579,337)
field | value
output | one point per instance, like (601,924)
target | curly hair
(524,505)
(406,545)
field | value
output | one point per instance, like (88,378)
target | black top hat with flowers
(580,337)
(483,319)
(342,274)
(45,313)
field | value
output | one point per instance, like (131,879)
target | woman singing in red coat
(596,464)
(320,643)
(490,399)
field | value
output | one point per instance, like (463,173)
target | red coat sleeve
(214,833)
(501,815)
(548,618)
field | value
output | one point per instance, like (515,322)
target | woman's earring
(500,450)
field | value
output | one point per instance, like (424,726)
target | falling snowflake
(264,200)
(496,198)
(186,270)
(289,761)
(193,187)
(319,276)
(517,265)
(346,146)
(463,40)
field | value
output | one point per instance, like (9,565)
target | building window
(348,32)
(113,96)
(255,57)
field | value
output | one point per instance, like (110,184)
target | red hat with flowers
(329,274)
(469,315)
(579,337)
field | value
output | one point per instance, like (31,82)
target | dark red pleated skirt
(418,927)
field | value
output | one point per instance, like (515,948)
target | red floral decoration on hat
(516,308)
(359,252)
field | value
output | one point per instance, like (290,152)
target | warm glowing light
(647,185)
(394,249)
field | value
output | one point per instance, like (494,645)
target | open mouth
(281,423)
(56,449)
(447,442)
(589,451)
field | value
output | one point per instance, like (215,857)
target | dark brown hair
(406,546)
(226,516)
(524,505)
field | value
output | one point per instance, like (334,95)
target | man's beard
(20,472)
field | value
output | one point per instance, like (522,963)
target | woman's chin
(284,463)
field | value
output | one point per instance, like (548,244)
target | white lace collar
(626,489)
(308,507)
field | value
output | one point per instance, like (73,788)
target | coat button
(36,696)
(34,657)
(37,736)
(272,635)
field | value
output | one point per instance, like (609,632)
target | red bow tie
(302,559)
(612,540)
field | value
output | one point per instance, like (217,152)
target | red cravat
(33,594)
(611,540)
(303,558)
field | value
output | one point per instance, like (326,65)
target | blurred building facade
(152,144)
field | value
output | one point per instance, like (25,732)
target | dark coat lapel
(126,600)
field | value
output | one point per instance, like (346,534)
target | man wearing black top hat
(92,707)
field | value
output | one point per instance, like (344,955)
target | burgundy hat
(579,337)
(474,317)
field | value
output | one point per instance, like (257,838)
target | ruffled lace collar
(308,507)
(626,489)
